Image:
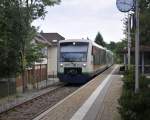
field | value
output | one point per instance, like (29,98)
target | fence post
(46,74)
(34,79)
(26,80)
(37,78)
(41,74)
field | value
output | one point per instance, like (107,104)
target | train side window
(93,50)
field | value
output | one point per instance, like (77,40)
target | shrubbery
(135,106)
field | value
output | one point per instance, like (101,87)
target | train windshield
(73,52)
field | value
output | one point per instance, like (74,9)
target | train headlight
(84,65)
(61,65)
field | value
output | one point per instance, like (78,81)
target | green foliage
(144,32)
(117,48)
(134,106)
(129,80)
(99,40)
(111,46)
(9,35)
(37,8)
(34,54)
(16,50)
(144,24)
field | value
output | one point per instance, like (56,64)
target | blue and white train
(79,60)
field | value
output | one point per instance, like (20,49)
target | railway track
(32,108)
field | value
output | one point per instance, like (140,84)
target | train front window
(73,52)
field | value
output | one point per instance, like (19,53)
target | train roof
(99,46)
(109,51)
(75,40)
(85,40)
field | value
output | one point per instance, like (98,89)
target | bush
(135,106)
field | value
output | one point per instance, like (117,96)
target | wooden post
(36,78)
(40,72)
(46,73)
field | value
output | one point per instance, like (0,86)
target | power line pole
(137,48)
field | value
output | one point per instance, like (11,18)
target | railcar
(79,60)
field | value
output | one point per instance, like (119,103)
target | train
(80,59)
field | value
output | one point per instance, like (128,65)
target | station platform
(96,100)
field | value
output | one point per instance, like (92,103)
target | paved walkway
(109,110)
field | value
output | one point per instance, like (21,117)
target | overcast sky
(84,18)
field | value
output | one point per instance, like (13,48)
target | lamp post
(129,42)
(137,47)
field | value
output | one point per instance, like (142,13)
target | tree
(34,54)
(116,48)
(99,40)
(17,33)
(111,46)
(144,23)
(9,46)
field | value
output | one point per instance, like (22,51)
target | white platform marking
(83,110)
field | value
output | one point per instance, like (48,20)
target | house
(48,67)
(39,39)
(38,71)
(52,38)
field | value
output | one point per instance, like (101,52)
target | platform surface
(109,110)
(97,100)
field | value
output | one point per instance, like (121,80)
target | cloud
(82,18)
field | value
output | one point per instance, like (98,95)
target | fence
(32,77)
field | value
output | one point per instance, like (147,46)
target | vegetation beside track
(135,106)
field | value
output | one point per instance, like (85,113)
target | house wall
(45,51)
(52,61)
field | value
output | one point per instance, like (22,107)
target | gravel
(33,108)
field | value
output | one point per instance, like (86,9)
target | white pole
(129,42)
(137,49)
